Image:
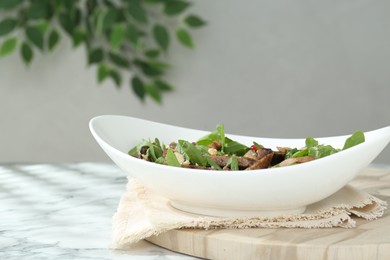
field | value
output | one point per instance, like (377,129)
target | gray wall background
(263,68)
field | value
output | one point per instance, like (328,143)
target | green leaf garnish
(300,153)
(321,151)
(356,138)
(310,142)
(290,153)
(193,153)
(171,158)
(233,147)
(232,163)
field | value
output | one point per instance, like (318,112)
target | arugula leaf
(208,139)
(290,153)
(221,132)
(356,138)
(300,153)
(171,158)
(321,151)
(160,160)
(194,155)
(154,150)
(227,145)
(217,135)
(233,147)
(153,153)
(134,151)
(232,163)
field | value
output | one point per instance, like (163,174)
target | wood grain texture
(369,240)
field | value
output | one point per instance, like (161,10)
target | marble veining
(63,211)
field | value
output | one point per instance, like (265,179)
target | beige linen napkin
(142,213)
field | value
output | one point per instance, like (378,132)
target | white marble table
(63,211)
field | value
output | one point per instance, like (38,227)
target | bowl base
(214,212)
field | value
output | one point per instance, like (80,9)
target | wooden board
(369,240)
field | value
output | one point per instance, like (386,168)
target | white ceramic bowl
(284,190)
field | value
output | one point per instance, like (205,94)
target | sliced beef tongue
(264,161)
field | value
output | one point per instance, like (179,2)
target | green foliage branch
(120,36)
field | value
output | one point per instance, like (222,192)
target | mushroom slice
(252,155)
(283,149)
(298,160)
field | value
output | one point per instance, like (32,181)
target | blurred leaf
(137,12)
(152,1)
(35,35)
(116,77)
(69,20)
(9,4)
(69,4)
(66,23)
(172,159)
(7,26)
(152,54)
(8,46)
(117,36)
(153,92)
(75,16)
(138,87)
(109,19)
(95,56)
(159,65)
(161,36)
(26,53)
(54,38)
(78,37)
(119,60)
(184,37)
(43,26)
(38,10)
(132,34)
(102,73)
(162,85)
(194,21)
(148,69)
(91,6)
(175,7)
